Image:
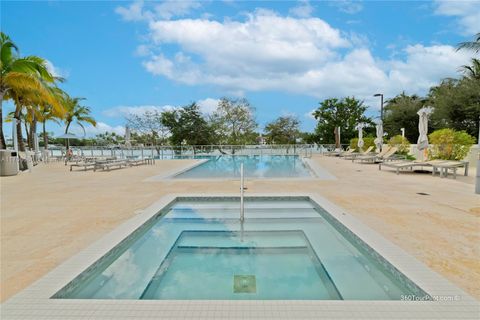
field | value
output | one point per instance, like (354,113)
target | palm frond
(471,45)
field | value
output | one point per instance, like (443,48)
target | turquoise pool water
(198,249)
(254,166)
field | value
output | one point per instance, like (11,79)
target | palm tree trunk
(45,137)
(27,133)
(66,131)
(337,139)
(3,144)
(33,132)
(21,144)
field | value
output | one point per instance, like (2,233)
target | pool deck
(51,214)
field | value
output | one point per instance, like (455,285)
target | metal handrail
(242,191)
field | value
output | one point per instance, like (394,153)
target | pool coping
(316,171)
(34,302)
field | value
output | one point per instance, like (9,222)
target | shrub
(401,143)
(448,144)
(367,142)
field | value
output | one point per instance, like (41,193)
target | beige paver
(51,214)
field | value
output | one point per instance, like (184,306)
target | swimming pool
(288,248)
(255,166)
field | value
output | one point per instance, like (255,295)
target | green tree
(283,130)
(401,112)
(401,143)
(24,80)
(472,71)
(233,122)
(108,138)
(147,128)
(309,137)
(45,112)
(456,105)
(187,125)
(448,144)
(76,113)
(345,113)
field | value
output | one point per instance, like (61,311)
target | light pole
(381,104)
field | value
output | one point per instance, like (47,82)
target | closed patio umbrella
(360,143)
(422,143)
(379,139)
(127,137)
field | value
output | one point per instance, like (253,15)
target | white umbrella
(379,139)
(360,143)
(127,136)
(424,113)
(68,136)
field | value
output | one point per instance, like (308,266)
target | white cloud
(133,12)
(101,127)
(55,71)
(467,12)
(138,10)
(170,9)
(142,51)
(125,111)
(309,114)
(424,67)
(348,6)
(303,10)
(208,105)
(264,45)
(298,55)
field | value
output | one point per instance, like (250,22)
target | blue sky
(283,56)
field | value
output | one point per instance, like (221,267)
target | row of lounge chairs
(101,163)
(443,167)
(388,158)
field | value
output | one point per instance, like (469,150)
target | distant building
(261,140)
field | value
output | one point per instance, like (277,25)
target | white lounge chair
(380,157)
(408,165)
(444,167)
(353,155)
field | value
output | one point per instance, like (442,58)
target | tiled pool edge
(34,302)
(172,173)
(317,173)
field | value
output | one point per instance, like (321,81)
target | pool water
(255,166)
(198,249)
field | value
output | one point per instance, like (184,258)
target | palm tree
(473,71)
(21,77)
(471,45)
(46,112)
(76,113)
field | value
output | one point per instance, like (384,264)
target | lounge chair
(380,157)
(349,151)
(408,165)
(85,165)
(136,162)
(444,167)
(337,153)
(380,154)
(109,164)
(353,155)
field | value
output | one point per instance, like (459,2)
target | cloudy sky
(283,56)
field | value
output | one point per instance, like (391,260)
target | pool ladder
(242,191)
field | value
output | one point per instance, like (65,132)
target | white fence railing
(174,152)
